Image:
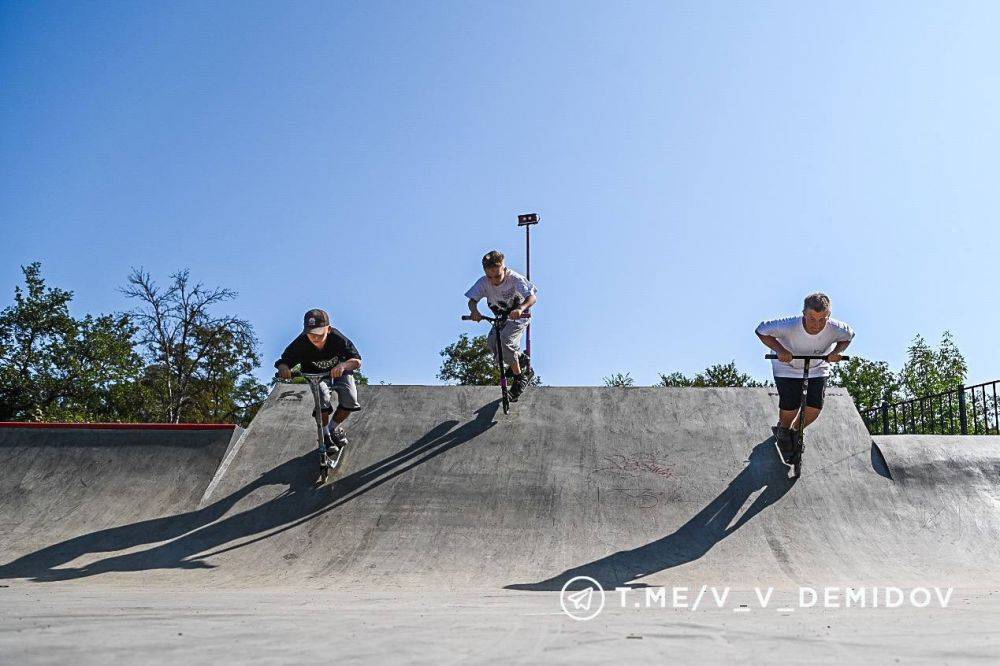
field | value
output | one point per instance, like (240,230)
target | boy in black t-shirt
(319,348)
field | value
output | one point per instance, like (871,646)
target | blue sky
(698,166)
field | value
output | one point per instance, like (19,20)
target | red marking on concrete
(118,426)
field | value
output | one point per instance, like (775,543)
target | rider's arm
(346,348)
(838,350)
(287,361)
(474,309)
(772,343)
(519,311)
(350,365)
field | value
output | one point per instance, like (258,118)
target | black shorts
(790,392)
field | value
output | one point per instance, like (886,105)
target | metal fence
(972,410)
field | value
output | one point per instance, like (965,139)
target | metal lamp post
(527,220)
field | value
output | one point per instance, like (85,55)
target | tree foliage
(720,374)
(198,363)
(55,367)
(927,371)
(868,382)
(469,362)
(619,380)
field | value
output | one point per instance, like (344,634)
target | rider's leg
(789,399)
(339,417)
(347,396)
(814,401)
(491,341)
(811,415)
(510,347)
(326,408)
(510,343)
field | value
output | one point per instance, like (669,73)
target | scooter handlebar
(306,375)
(526,315)
(774,357)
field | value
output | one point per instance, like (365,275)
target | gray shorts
(347,393)
(510,339)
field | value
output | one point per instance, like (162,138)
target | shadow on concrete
(694,538)
(192,537)
(879,464)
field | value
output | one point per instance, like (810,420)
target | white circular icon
(583,604)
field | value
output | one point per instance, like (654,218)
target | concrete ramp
(70,493)
(638,486)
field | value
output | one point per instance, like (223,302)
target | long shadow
(694,538)
(192,537)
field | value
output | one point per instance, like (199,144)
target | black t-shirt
(336,350)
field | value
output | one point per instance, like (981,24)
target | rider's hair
(492,258)
(818,302)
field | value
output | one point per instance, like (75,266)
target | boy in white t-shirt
(506,293)
(813,333)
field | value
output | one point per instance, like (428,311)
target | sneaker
(786,440)
(339,437)
(520,382)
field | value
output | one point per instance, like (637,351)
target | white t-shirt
(508,295)
(791,333)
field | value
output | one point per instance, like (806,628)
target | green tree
(57,367)
(199,364)
(470,362)
(621,380)
(720,374)
(675,379)
(928,371)
(868,382)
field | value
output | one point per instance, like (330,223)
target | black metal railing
(970,410)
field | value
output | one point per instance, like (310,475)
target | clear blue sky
(698,166)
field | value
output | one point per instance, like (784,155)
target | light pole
(527,220)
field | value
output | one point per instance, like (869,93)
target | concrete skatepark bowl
(451,531)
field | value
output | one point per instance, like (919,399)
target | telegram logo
(582,604)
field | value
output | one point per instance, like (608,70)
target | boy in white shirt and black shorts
(813,333)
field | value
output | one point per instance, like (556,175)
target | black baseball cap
(315,321)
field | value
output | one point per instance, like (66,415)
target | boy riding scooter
(506,293)
(322,348)
(813,333)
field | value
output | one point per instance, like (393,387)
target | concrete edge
(235,444)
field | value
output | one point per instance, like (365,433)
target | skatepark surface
(450,530)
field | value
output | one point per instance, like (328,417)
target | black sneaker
(520,382)
(339,437)
(786,440)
